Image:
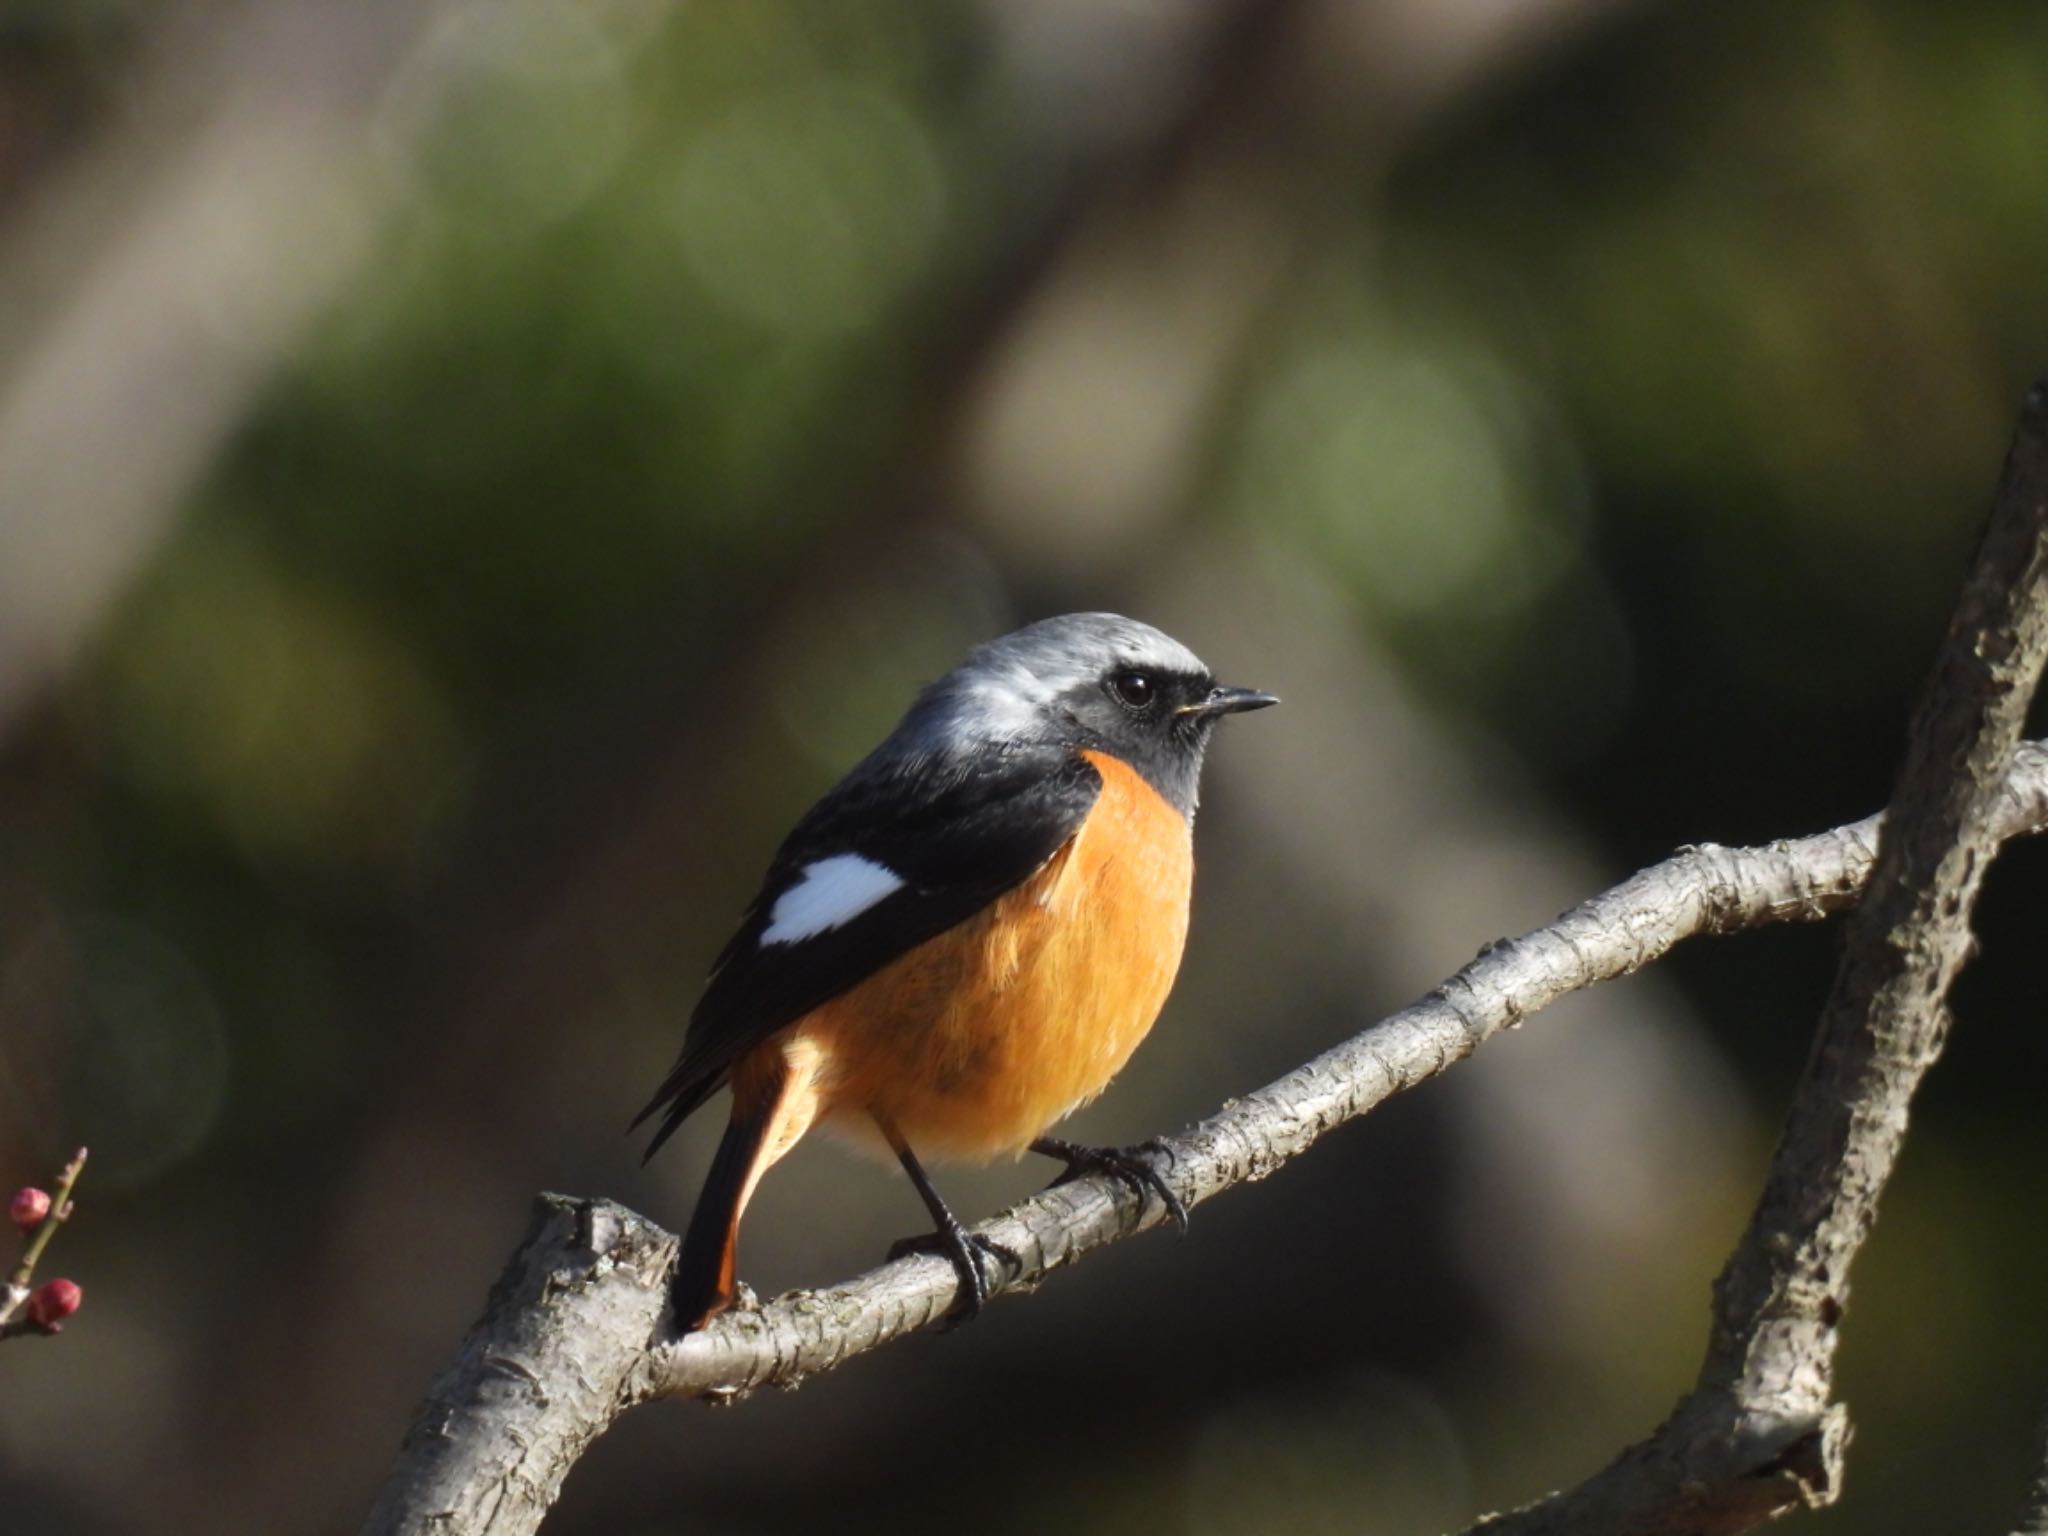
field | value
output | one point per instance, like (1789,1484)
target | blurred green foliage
(1643,415)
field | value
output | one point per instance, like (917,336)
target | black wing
(958,837)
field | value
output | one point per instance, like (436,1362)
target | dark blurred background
(471,472)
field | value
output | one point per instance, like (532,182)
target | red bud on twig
(28,1208)
(54,1301)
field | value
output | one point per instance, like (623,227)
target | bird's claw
(966,1251)
(1129,1166)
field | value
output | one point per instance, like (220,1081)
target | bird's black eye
(1134,690)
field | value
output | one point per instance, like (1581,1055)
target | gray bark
(1759,1435)
(2034,1518)
(574,1333)
(560,1352)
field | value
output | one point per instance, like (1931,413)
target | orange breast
(976,1041)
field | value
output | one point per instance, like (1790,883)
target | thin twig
(1759,1434)
(60,1212)
(502,1426)
(14,1295)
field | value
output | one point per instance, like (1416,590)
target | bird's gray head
(1083,680)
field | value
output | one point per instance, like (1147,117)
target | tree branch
(560,1352)
(574,1333)
(1758,1435)
(17,1315)
(2033,1519)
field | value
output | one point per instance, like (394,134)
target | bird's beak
(1228,701)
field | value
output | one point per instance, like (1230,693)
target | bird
(964,939)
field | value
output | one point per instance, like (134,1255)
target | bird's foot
(1129,1166)
(967,1253)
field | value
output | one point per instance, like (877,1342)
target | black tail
(681,1095)
(704,1279)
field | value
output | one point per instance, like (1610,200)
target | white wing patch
(828,894)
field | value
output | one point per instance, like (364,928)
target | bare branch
(16,1315)
(574,1332)
(1758,1434)
(2034,1518)
(560,1352)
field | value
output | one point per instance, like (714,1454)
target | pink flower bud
(28,1208)
(54,1301)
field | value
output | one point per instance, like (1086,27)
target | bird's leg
(1129,1166)
(954,1241)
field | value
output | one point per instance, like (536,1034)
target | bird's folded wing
(890,858)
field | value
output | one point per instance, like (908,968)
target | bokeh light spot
(305,727)
(811,209)
(1392,465)
(515,113)
(110,1037)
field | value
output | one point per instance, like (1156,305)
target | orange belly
(976,1041)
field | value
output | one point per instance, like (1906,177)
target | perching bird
(966,938)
